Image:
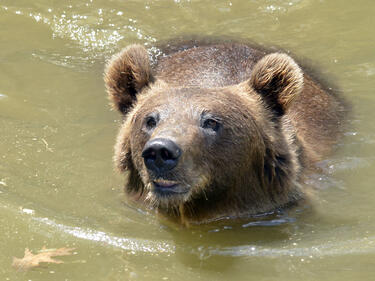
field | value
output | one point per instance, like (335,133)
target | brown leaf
(45,255)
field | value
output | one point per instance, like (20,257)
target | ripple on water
(134,245)
(347,247)
(129,244)
(96,31)
(76,62)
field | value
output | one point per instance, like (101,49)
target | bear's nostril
(161,155)
(165,154)
(149,154)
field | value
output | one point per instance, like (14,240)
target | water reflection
(204,244)
(128,244)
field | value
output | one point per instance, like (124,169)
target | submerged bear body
(218,130)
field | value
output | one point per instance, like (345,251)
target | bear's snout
(161,155)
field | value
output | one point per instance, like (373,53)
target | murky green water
(57,184)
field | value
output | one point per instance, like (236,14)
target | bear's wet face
(177,140)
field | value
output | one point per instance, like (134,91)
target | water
(57,184)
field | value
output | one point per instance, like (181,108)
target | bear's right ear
(278,79)
(127,74)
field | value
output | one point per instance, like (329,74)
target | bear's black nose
(161,155)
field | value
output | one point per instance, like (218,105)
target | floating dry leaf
(45,255)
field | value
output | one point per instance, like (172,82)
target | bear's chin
(167,196)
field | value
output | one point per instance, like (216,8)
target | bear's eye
(150,122)
(211,124)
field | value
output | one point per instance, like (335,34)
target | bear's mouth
(164,187)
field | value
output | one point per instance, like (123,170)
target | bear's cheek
(193,169)
(138,140)
(231,156)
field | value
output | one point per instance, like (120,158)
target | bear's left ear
(278,79)
(127,74)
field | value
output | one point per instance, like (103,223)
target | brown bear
(218,130)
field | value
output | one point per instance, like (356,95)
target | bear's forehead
(193,101)
(178,108)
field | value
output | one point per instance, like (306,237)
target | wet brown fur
(276,122)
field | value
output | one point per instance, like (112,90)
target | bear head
(184,144)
